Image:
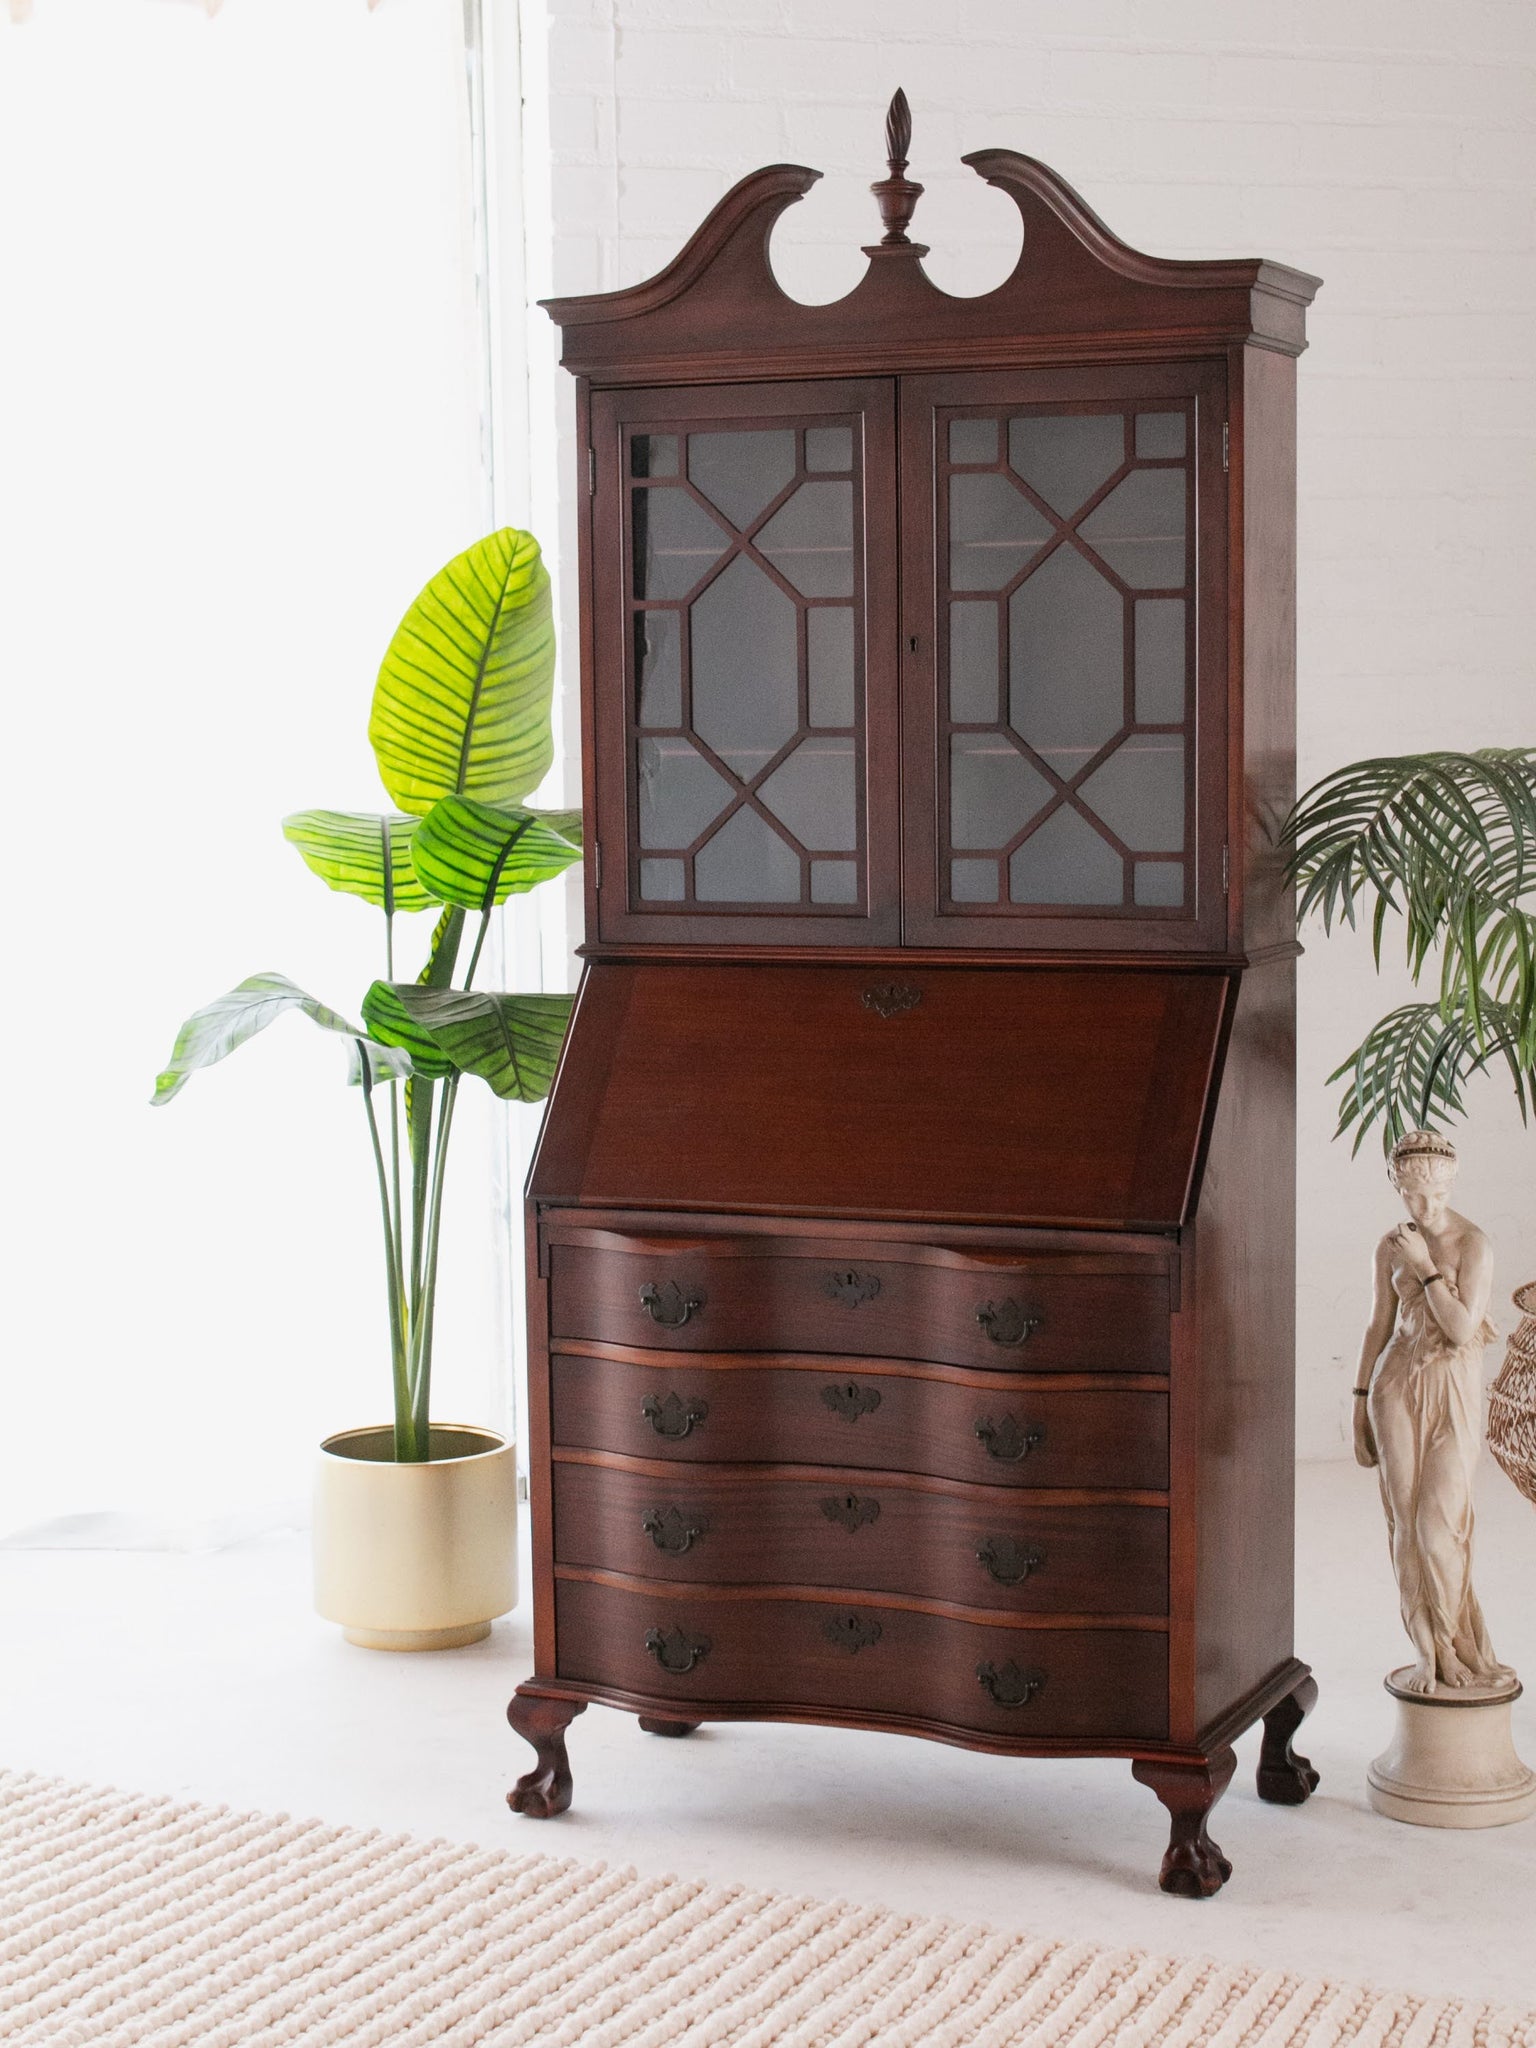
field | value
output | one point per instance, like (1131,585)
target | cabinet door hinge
(597,867)
(592,472)
(1226,869)
(1226,445)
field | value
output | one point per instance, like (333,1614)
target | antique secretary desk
(911,1235)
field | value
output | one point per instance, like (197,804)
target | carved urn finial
(898,194)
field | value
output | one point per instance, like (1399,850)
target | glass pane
(993,791)
(813,793)
(993,531)
(746,692)
(834,881)
(662,881)
(1066,660)
(742,473)
(973,664)
(1139,792)
(658,664)
(1066,459)
(973,440)
(679,792)
(829,658)
(746,862)
(811,540)
(1159,435)
(653,455)
(675,542)
(1159,660)
(1139,529)
(973,881)
(829,447)
(1065,861)
(1160,884)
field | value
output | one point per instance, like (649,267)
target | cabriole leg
(546,1789)
(1194,1866)
(654,1725)
(1286,1779)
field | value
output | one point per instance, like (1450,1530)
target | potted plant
(1448,841)
(414,1520)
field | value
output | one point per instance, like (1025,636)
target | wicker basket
(1512,1399)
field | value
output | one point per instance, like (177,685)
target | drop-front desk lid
(1053,1096)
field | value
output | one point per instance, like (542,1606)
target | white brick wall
(1388,144)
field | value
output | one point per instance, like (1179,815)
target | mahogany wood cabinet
(910,1240)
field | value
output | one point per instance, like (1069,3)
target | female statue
(1418,1412)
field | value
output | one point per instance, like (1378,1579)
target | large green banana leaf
(477,855)
(461,707)
(361,854)
(511,1042)
(215,1031)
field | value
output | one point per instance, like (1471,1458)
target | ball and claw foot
(1193,1866)
(1286,1779)
(546,1789)
(654,1725)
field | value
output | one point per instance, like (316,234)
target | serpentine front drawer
(974,1546)
(864,1659)
(1070,1313)
(996,1429)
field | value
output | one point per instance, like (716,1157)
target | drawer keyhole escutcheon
(1008,1562)
(848,1399)
(852,1288)
(668,1305)
(673,1530)
(850,1512)
(1006,1323)
(1010,1686)
(670,1415)
(852,1632)
(890,998)
(675,1650)
(1007,1441)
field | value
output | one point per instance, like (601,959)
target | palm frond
(1407,1073)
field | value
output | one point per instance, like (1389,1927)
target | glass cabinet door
(744,579)
(1064,714)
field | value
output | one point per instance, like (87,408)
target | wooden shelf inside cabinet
(911,1248)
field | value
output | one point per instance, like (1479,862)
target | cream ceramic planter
(415,1557)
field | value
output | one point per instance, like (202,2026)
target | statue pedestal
(1452,1761)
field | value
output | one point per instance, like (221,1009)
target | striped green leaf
(393,1022)
(477,855)
(220,1027)
(512,1043)
(361,855)
(461,707)
(566,823)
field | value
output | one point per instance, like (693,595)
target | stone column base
(1452,1761)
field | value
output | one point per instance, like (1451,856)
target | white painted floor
(207,1676)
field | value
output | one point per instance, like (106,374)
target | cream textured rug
(143,1921)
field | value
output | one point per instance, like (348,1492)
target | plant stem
(405,1425)
(474,958)
(422,1334)
(398,1212)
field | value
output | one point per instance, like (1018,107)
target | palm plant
(1447,842)
(461,732)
